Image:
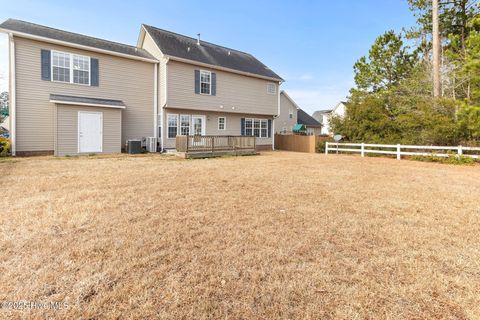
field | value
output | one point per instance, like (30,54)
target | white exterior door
(90,132)
(198,123)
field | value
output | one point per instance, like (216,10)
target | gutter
(12,95)
(74,45)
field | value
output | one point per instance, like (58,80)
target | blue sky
(311,44)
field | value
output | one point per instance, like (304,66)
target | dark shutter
(269,128)
(214,84)
(46,70)
(242,126)
(94,72)
(197,81)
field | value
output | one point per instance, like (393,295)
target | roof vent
(188,49)
(198,39)
(229,52)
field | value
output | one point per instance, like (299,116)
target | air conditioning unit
(151,144)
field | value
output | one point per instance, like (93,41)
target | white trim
(168,126)
(70,67)
(12,96)
(78,131)
(210,82)
(87,104)
(77,46)
(180,124)
(204,123)
(290,99)
(224,123)
(279,81)
(155,103)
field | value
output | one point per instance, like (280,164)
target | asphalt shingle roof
(86,100)
(180,46)
(75,38)
(306,119)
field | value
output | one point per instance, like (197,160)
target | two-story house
(76,94)
(207,89)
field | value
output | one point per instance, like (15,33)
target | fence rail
(189,144)
(365,148)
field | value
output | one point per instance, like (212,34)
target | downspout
(155,102)
(162,110)
(12,95)
(276,116)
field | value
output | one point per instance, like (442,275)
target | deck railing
(214,143)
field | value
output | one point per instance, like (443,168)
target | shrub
(5,146)
(451,159)
(321,140)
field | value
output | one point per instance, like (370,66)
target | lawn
(280,235)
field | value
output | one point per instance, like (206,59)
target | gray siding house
(75,94)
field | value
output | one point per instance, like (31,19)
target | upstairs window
(81,69)
(271,88)
(70,68)
(205,82)
(60,66)
(290,115)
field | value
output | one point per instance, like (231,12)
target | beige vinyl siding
(233,124)
(119,78)
(66,128)
(283,119)
(149,45)
(236,93)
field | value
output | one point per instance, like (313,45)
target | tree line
(395,100)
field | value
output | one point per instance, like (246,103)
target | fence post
(326,147)
(398,152)
(363,150)
(460,150)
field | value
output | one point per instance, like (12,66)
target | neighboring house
(208,89)
(5,127)
(287,118)
(75,94)
(323,116)
(313,126)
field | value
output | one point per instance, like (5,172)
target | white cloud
(3,62)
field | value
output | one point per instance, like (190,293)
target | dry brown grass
(281,235)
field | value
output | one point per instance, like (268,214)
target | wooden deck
(215,146)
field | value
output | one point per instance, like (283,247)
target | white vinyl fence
(402,150)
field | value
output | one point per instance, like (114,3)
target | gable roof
(306,119)
(183,47)
(290,99)
(23,28)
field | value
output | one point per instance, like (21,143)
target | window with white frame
(271,88)
(290,114)
(81,69)
(60,66)
(263,128)
(221,123)
(256,127)
(70,68)
(172,122)
(205,82)
(184,125)
(249,127)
